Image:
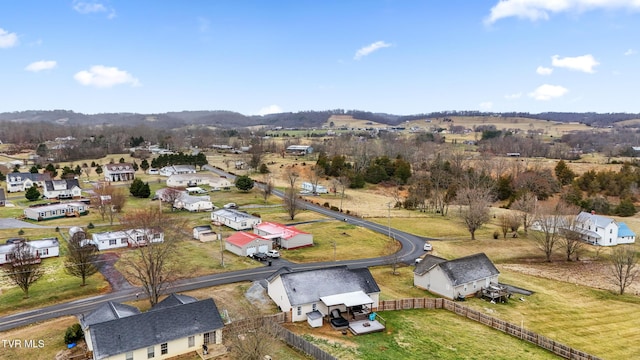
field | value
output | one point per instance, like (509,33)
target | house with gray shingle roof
(175,326)
(302,292)
(62,189)
(23,181)
(464,276)
(604,231)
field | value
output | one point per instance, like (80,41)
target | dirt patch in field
(586,273)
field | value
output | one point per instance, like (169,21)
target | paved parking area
(7,223)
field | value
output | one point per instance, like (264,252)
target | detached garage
(246,244)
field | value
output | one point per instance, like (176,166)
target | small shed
(204,233)
(314,319)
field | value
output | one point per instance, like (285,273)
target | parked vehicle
(260,256)
(427,247)
(230,206)
(273,253)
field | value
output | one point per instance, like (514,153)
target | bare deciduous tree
(550,221)
(81,257)
(571,239)
(474,207)
(624,261)
(526,204)
(252,337)
(24,268)
(170,195)
(108,199)
(153,264)
(290,200)
(266,187)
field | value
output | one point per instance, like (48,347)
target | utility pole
(389,218)
(334,246)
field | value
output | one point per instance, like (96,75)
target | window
(299,310)
(123,241)
(209,338)
(151,352)
(129,355)
(164,349)
(43,252)
(112,242)
(192,341)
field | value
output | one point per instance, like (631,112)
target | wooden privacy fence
(555,347)
(272,322)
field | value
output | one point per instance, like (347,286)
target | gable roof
(283,231)
(303,287)
(242,238)
(57,185)
(154,327)
(234,215)
(598,220)
(123,167)
(107,312)
(623,230)
(12,177)
(468,269)
(427,263)
(173,300)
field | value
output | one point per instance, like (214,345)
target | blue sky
(256,57)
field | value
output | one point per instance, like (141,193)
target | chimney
(593,212)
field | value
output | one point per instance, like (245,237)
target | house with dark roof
(62,189)
(23,181)
(300,293)
(235,219)
(119,172)
(177,325)
(460,277)
(177,170)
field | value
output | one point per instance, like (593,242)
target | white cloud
(548,92)
(41,65)
(84,7)
(486,105)
(513,96)
(541,9)
(7,39)
(271,109)
(541,70)
(584,63)
(630,52)
(103,77)
(364,51)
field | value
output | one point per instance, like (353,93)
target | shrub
(90,226)
(326,204)
(334,208)
(496,234)
(73,334)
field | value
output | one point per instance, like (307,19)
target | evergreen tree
(34,169)
(98,169)
(144,165)
(140,189)
(244,183)
(563,173)
(32,194)
(51,170)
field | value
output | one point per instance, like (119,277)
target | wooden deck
(360,327)
(215,350)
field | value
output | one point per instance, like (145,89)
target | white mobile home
(314,189)
(235,219)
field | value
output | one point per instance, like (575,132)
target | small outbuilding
(286,237)
(246,244)
(204,233)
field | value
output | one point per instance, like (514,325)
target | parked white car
(273,253)
(428,247)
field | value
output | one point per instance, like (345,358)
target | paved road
(412,247)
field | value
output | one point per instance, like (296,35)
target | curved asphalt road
(412,248)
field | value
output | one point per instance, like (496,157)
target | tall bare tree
(315,174)
(170,195)
(253,337)
(267,187)
(550,221)
(81,257)
(24,268)
(623,266)
(108,199)
(571,239)
(473,205)
(153,264)
(526,204)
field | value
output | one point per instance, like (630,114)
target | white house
(119,172)
(193,203)
(177,325)
(17,182)
(246,244)
(235,219)
(603,231)
(177,170)
(62,189)
(204,233)
(53,211)
(463,277)
(314,189)
(198,179)
(43,248)
(126,238)
(286,237)
(301,292)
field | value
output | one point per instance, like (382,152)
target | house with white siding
(199,179)
(54,211)
(62,189)
(235,219)
(460,277)
(42,248)
(177,170)
(125,238)
(119,172)
(286,237)
(193,203)
(17,182)
(175,326)
(299,293)
(603,231)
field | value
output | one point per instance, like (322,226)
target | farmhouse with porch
(286,237)
(458,278)
(119,172)
(177,325)
(603,231)
(346,297)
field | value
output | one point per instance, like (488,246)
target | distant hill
(304,119)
